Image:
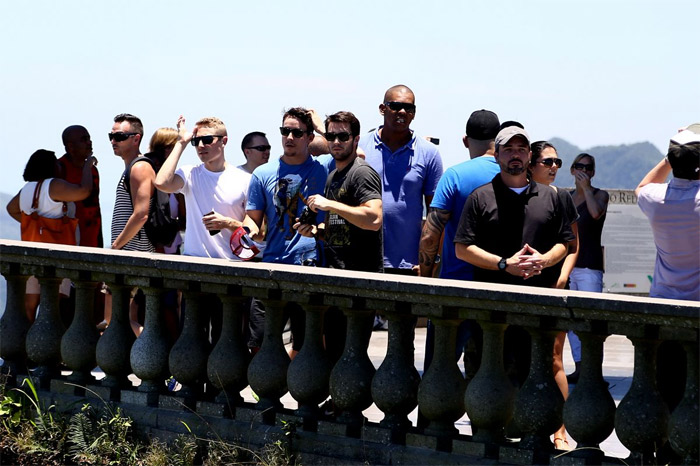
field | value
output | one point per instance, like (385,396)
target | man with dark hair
(278,192)
(78,145)
(410,168)
(512,230)
(352,233)
(132,204)
(256,150)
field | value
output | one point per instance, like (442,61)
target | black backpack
(161,229)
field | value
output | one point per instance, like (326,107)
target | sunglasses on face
(550,162)
(584,166)
(343,136)
(206,140)
(398,106)
(119,137)
(297,133)
(262,148)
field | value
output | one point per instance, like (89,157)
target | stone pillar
(267,372)
(351,378)
(309,372)
(684,433)
(44,337)
(79,343)
(641,420)
(114,346)
(188,357)
(149,353)
(395,385)
(441,392)
(14,326)
(539,403)
(228,361)
(589,412)
(490,396)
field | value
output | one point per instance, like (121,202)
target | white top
(225,192)
(47,207)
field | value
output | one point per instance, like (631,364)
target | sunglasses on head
(550,162)
(297,133)
(119,137)
(584,166)
(261,148)
(342,136)
(206,140)
(398,106)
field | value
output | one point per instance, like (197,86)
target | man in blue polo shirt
(410,168)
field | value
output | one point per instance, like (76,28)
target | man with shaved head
(78,144)
(410,168)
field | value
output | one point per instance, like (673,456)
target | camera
(307,217)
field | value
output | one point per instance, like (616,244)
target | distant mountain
(617,167)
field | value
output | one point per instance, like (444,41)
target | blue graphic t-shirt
(280,190)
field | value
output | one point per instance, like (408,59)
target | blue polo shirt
(408,174)
(452,192)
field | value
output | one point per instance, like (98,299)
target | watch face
(502,264)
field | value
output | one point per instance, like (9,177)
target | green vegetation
(32,433)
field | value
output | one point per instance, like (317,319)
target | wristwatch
(502,265)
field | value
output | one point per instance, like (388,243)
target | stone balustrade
(213,377)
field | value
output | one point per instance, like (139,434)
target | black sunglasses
(583,166)
(398,106)
(550,162)
(343,136)
(205,139)
(119,137)
(261,148)
(297,133)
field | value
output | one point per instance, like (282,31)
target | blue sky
(595,72)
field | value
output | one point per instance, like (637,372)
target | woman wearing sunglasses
(591,204)
(544,166)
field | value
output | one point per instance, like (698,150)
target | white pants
(583,279)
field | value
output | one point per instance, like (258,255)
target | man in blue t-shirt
(278,192)
(410,168)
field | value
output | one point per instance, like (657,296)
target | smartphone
(435,141)
(212,232)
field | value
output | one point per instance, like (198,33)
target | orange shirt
(88,210)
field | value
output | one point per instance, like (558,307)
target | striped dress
(122,211)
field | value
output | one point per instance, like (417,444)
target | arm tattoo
(432,233)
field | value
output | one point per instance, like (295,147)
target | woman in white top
(54,192)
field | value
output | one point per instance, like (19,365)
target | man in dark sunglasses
(410,168)
(132,203)
(277,194)
(256,150)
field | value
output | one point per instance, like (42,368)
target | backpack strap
(127,172)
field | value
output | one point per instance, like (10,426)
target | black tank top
(590,251)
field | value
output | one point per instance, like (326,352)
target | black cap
(482,125)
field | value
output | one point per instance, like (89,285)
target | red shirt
(88,210)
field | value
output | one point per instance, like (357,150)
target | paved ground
(617,370)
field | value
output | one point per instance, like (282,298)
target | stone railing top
(426,296)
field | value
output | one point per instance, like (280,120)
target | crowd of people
(342,199)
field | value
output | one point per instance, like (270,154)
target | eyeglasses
(261,148)
(119,137)
(550,162)
(297,133)
(583,166)
(398,106)
(206,140)
(343,136)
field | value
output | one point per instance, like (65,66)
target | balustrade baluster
(14,325)
(267,372)
(114,346)
(684,433)
(351,378)
(589,412)
(641,420)
(228,361)
(149,353)
(44,336)
(539,403)
(79,343)
(441,392)
(308,374)
(188,357)
(490,396)
(395,385)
